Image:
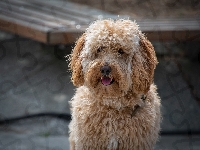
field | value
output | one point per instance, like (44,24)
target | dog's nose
(105,70)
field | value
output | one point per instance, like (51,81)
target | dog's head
(113,57)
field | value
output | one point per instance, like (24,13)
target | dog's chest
(113,129)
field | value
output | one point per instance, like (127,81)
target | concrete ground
(34,78)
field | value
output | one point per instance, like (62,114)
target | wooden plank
(26,16)
(162,36)
(180,29)
(178,36)
(25,20)
(50,9)
(20,27)
(63,7)
(39,12)
(78,9)
(170,24)
(58,37)
(168,28)
(42,19)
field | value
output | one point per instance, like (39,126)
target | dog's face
(113,57)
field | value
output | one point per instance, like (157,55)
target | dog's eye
(120,51)
(99,49)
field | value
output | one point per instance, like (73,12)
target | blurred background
(35,84)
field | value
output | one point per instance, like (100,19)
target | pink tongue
(106,80)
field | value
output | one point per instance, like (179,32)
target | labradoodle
(116,106)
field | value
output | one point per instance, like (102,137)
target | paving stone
(11,141)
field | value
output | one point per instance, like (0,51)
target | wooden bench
(171,29)
(61,22)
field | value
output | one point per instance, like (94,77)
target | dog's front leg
(72,142)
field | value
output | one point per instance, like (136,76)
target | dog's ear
(144,63)
(75,63)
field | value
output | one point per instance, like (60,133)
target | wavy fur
(102,116)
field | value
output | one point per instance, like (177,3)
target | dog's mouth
(105,80)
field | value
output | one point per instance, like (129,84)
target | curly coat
(125,113)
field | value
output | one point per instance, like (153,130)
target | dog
(116,106)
